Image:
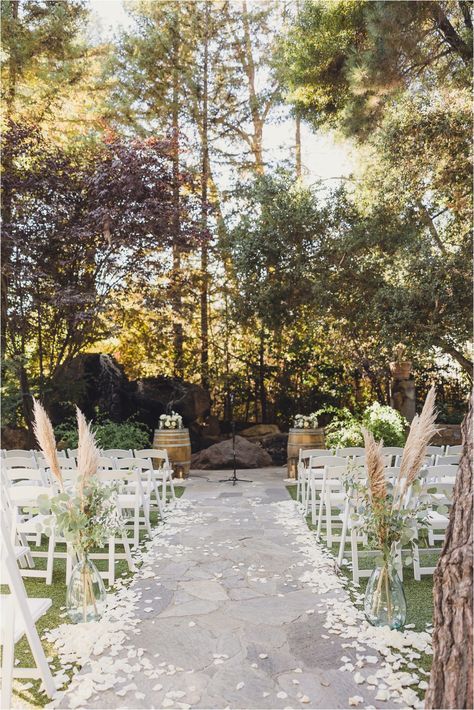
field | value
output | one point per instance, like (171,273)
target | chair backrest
(444,470)
(439,450)
(133,464)
(438,486)
(351,451)
(362,460)
(19,453)
(118,453)
(454,449)
(72,453)
(391,473)
(393,450)
(19,462)
(161,454)
(105,462)
(65,464)
(14,475)
(23,496)
(452,459)
(322,461)
(306,454)
(41,459)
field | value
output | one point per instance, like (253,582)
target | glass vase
(385,603)
(86,595)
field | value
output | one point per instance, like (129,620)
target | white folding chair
(305,456)
(314,482)
(150,483)
(441,491)
(333,497)
(29,527)
(18,619)
(161,468)
(131,497)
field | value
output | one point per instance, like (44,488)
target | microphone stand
(233,479)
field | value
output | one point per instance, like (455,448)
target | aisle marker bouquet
(171,421)
(86,515)
(303,421)
(383,511)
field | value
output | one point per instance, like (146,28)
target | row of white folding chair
(164,472)
(457,449)
(435,479)
(18,619)
(25,496)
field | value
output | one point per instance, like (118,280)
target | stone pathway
(225,616)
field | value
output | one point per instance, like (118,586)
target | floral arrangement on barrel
(85,515)
(392,513)
(303,421)
(171,421)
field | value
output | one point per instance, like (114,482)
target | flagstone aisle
(222,618)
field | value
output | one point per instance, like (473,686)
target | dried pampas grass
(87,451)
(422,430)
(375,466)
(45,437)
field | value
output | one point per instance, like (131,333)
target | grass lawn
(31,697)
(419,595)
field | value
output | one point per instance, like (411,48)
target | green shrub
(109,435)
(346,428)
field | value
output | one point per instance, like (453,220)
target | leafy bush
(346,428)
(109,435)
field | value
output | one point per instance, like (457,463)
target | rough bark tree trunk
(178,334)
(204,295)
(451,683)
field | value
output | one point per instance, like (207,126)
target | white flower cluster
(171,421)
(306,422)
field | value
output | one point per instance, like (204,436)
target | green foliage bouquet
(346,429)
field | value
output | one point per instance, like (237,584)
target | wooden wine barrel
(178,445)
(302,439)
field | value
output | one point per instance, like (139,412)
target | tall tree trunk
(261,377)
(204,296)
(451,684)
(178,335)
(257,119)
(7,200)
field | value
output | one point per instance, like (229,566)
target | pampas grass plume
(45,437)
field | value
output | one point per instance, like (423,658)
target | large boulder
(220,456)
(258,431)
(155,395)
(97,382)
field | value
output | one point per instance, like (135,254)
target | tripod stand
(233,479)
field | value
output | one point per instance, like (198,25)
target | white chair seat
(37,607)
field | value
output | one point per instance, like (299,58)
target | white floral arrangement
(303,421)
(171,421)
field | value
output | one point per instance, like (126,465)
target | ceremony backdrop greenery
(144,217)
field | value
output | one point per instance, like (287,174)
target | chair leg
(50,558)
(355,558)
(342,544)
(320,517)
(313,508)
(126,547)
(173,495)
(136,526)
(164,489)
(327,505)
(416,563)
(8,657)
(111,561)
